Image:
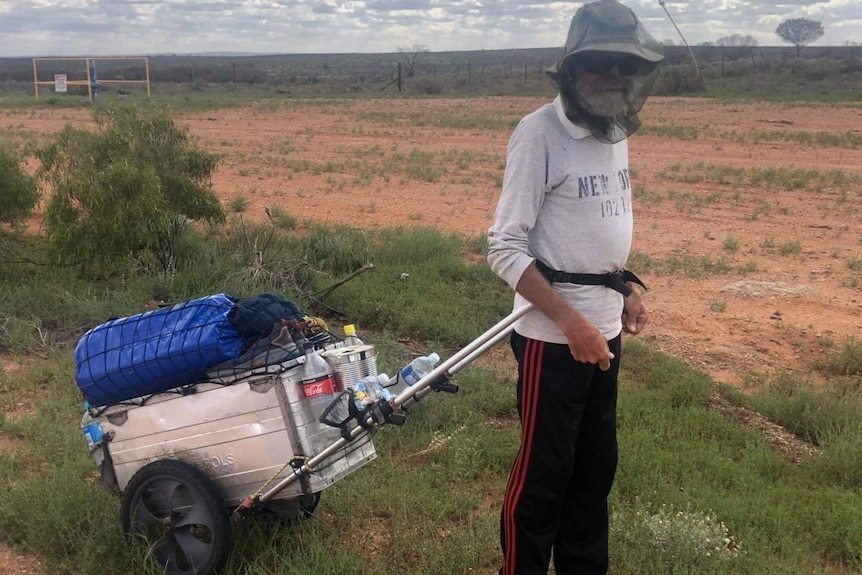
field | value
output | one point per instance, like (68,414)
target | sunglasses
(602,65)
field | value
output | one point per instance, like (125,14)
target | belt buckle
(616,283)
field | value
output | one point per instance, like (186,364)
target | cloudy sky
(141,27)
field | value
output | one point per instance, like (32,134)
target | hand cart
(186,465)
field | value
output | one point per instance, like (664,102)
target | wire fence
(506,71)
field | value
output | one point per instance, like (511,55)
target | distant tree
(799,32)
(409,56)
(851,43)
(736,40)
(737,46)
(18,190)
(667,42)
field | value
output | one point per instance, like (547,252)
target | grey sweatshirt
(566,201)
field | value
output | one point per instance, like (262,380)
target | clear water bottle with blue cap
(411,373)
(91,428)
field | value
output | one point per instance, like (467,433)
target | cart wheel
(177,514)
(308,503)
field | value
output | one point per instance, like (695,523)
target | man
(561,237)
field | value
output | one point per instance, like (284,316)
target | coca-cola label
(318,386)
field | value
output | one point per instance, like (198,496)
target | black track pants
(557,495)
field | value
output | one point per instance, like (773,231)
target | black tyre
(176,513)
(308,503)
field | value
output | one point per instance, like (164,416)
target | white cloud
(104,27)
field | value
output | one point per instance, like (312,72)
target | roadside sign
(60,82)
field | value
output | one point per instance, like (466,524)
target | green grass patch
(696,492)
(780,178)
(847,139)
(670,131)
(688,265)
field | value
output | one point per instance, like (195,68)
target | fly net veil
(607,72)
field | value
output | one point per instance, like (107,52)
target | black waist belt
(614,280)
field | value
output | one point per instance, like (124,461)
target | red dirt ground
(792,288)
(789,288)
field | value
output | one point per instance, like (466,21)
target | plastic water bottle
(411,373)
(91,428)
(370,389)
(350,337)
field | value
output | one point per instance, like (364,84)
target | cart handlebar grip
(444,385)
(396,419)
(383,412)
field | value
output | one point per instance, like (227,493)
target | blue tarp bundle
(156,351)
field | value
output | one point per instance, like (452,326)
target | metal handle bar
(445,370)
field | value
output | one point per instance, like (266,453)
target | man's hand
(588,345)
(635,313)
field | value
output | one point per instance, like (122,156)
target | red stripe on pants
(530,395)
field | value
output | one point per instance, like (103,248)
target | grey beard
(608,129)
(605,106)
(599,103)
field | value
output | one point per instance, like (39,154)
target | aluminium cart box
(240,435)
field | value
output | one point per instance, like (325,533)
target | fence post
(399,77)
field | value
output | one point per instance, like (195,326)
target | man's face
(603,82)
(603,95)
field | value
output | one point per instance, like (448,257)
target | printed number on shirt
(615,207)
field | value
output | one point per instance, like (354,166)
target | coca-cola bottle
(317,381)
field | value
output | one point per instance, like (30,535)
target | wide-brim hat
(608,26)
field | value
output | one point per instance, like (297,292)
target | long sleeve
(524,185)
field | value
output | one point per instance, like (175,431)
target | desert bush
(676,80)
(121,194)
(676,541)
(845,361)
(18,190)
(427,86)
